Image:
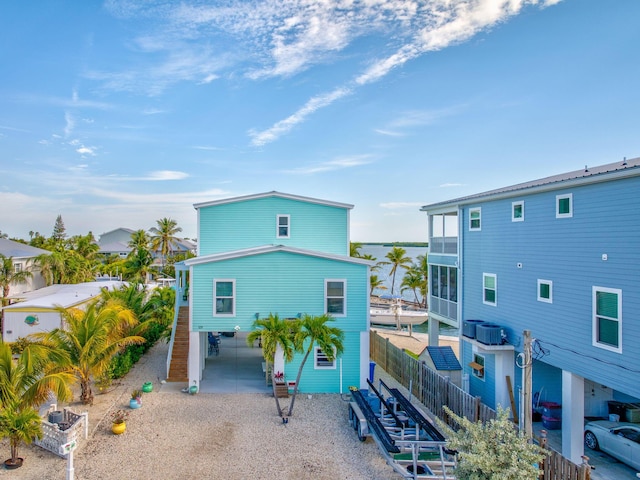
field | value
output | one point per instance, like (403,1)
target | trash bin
(618,408)
(372,369)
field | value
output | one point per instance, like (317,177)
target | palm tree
(312,330)
(354,249)
(91,338)
(413,281)
(26,382)
(8,275)
(52,266)
(397,257)
(275,335)
(375,282)
(164,238)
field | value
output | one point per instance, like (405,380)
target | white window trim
(344,296)
(17,267)
(495,282)
(594,333)
(316,352)
(560,197)
(472,210)
(288,217)
(547,282)
(233,297)
(513,209)
(474,370)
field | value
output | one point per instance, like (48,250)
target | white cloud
(166,175)
(70,124)
(337,164)
(284,126)
(86,151)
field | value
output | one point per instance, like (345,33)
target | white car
(621,440)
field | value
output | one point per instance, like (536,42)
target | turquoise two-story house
(559,257)
(282,254)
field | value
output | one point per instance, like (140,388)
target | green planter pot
(147,387)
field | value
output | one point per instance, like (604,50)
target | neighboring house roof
(9,248)
(602,173)
(217,257)
(272,194)
(127,230)
(443,358)
(63,295)
(114,247)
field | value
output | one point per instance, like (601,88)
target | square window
(490,289)
(224,298)
(321,360)
(474,219)
(607,318)
(564,206)
(545,291)
(283,227)
(517,211)
(477,366)
(17,267)
(335,297)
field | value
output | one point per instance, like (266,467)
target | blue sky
(116,114)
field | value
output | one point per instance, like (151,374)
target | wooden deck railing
(434,391)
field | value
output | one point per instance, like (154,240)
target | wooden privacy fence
(435,391)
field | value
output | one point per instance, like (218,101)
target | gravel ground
(222,436)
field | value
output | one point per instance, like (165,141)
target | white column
(504,365)
(364,359)
(434,332)
(194,368)
(572,416)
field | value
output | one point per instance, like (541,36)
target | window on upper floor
(517,211)
(489,289)
(564,205)
(444,282)
(545,291)
(284,226)
(17,267)
(477,366)
(607,318)
(335,297)
(475,215)
(224,291)
(322,362)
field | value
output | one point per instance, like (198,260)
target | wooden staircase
(178,369)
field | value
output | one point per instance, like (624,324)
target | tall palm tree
(315,330)
(375,282)
(8,275)
(397,257)
(91,338)
(275,334)
(413,281)
(354,249)
(164,239)
(25,383)
(53,267)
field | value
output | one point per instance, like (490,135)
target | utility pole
(527,367)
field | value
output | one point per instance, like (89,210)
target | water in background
(379,252)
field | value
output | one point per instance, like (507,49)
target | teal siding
(328,381)
(278,282)
(251,223)
(568,252)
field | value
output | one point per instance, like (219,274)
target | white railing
(74,427)
(448,245)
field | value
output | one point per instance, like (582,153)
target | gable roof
(272,194)
(443,358)
(602,173)
(217,257)
(10,248)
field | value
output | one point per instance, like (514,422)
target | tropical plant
(136,394)
(314,330)
(413,281)
(354,249)
(119,416)
(275,335)
(91,338)
(375,282)
(397,257)
(26,381)
(8,275)
(493,450)
(164,239)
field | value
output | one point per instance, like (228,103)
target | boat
(396,315)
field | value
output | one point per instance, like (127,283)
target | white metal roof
(62,295)
(272,194)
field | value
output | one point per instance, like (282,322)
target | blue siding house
(282,254)
(558,257)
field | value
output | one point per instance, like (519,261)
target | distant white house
(37,312)
(23,259)
(116,242)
